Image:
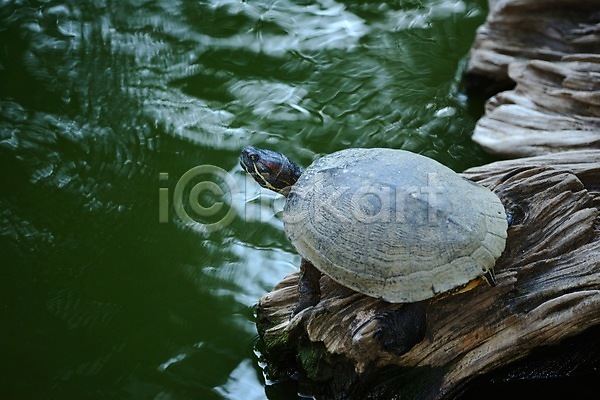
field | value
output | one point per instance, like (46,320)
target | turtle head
(272,170)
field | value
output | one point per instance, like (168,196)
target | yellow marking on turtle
(267,184)
(468,286)
(472,284)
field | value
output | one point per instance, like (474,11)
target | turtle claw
(399,330)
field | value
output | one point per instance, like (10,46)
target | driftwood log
(548,289)
(523,30)
(554,107)
(551,51)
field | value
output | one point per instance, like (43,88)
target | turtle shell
(393,224)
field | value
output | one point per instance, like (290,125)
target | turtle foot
(401,329)
(309,291)
(304,303)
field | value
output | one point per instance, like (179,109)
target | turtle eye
(253,157)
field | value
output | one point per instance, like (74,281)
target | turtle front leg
(399,330)
(309,290)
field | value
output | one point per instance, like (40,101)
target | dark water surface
(127,272)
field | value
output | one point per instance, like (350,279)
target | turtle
(387,223)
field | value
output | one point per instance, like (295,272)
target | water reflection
(242,384)
(99,99)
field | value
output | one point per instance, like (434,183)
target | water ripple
(101,100)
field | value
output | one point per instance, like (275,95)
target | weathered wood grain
(549,52)
(521,30)
(548,289)
(554,107)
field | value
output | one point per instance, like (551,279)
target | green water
(115,283)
